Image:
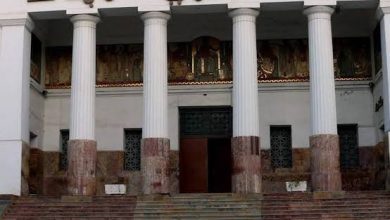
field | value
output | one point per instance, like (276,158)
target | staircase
(302,206)
(4,202)
(326,206)
(181,206)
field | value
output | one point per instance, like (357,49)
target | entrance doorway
(205,149)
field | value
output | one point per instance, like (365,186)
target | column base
(154,165)
(325,163)
(25,168)
(246,165)
(82,156)
(14,167)
(388,179)
(387,161)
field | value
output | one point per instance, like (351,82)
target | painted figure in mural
(226,71)
(287,59)
(102,64)
(361,62)
(136,63)
(345,63)
(64,70)
(352,57)
(58,66)
(302,60)
(206,58)
(177,65)
(267,60)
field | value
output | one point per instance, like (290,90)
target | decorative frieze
(206,60)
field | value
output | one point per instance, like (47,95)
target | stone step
(207,209)
(302,206)
(113,217)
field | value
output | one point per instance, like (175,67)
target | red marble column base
(155,165)
(387,161)
(246,166)
(325,163)
(388,179)
(25,168)
(82,156)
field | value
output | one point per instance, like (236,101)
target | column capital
(243,11)
(78,19)
(381,11)
(155,15)
(18,21)
(319,10)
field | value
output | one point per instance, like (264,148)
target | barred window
(132,160)
(281,149)
(349,149)
(64,139)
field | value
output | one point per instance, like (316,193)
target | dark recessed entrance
(205,149)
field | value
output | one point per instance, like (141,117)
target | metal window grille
(64,139)
(132,160)
(349,149)
(281,149)
(207,121)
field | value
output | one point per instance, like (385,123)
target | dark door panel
(193,165)
(219,157)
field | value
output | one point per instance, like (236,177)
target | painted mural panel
(119,64)
(207,60)
(352,57)
(377,49)
(282,59)
(58,66)
(36,56)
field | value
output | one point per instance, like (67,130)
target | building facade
(243,96)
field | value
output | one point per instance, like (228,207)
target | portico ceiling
(271,24)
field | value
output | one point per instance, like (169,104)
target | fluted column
(82,145)
(15,50)
(246,177)
(324,143)
(155,141)
(385,43)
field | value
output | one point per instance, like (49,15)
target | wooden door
(193,165)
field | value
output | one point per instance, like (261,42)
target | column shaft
(246,177)
(155,142)
(82,145)
(385,43)
(15,49)
(325,164)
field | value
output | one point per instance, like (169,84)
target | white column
(322,85)
(15,49)
(245,86)
(324,142)
(82,113)
(246,177)
(155,77)
(385,49)
(385,43)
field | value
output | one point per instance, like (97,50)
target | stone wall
(370,175)
(46,178)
